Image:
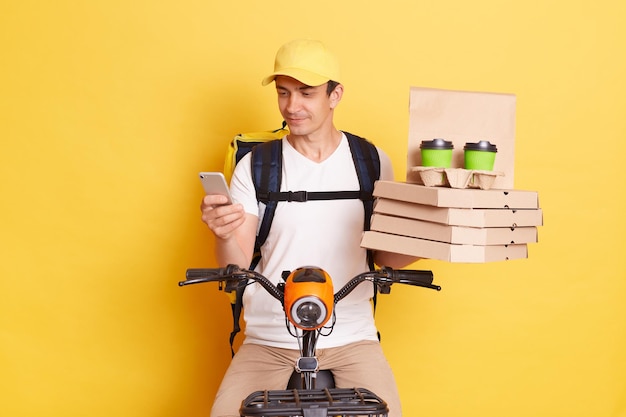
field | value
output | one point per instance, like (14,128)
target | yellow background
(108,109)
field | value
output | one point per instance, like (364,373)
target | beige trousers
(258,367)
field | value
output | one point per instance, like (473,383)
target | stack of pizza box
(457,224)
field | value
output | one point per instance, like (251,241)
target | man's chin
(297,130)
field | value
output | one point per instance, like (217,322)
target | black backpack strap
(266,160)
(267,163)
(367,163)
(302,196)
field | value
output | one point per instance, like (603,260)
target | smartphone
(215,183)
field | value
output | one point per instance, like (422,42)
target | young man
(327,234)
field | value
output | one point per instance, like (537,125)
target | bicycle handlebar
(229,274)
(383,278)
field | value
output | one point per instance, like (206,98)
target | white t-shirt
(326,234)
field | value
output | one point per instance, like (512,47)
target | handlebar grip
(195,273)
(200,275)
(412,275)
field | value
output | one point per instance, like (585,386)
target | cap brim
(305,77)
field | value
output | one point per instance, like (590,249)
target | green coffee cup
(480,156)
(436,153)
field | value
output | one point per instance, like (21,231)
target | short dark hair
(330,86)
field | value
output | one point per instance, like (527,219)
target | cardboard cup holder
(457,177)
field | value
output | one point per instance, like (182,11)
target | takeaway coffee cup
(436,153)
(480,155)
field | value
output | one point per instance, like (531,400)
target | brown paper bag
(460,117)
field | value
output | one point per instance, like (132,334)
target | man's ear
(336,95)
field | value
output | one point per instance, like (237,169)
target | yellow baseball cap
(308,61)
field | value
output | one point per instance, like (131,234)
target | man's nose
(293,103)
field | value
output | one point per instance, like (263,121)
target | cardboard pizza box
(457,197)
(442,251)
(461,216)
(453,234)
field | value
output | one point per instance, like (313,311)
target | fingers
(219,216)
(212,200)
(225,227)
(223,219)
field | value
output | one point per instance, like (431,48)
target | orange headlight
(309,297)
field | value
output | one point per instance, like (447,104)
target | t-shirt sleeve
(386,168)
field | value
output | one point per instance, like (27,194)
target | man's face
(306,109)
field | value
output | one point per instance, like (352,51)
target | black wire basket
(314,403)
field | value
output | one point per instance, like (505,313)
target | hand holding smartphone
(215,183)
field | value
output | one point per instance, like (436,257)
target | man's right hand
(222,218)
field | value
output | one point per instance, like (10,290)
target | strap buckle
(297,196)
